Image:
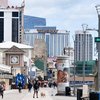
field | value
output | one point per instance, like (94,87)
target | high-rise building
(3,3)
(30,22)
(56,40)
(79,46)
(11,23)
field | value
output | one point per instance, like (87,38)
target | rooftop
(9,44)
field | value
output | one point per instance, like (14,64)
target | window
(14,14)
(1,14)
(15,30)
(1,29)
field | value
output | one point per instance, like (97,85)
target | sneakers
(34,97)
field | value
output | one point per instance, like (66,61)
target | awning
(5,68)
(39,64)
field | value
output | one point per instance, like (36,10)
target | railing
(80,83)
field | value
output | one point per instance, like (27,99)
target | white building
(56,40)
(3,3)
(11,22)
(7,45)
(79,46)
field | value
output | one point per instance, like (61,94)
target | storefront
(6,80)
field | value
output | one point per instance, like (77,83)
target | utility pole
(98,12)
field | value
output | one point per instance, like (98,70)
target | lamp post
(96,68)
(98,12)
(84,26)
(74,72)
(74,69)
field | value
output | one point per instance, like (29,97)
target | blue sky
(64,14)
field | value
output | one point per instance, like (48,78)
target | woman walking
(36,88)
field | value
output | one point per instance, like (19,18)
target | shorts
(36,90)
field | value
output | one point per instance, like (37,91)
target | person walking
(36,88)
(54,84)
(20,86)
(29,86)
(1,90)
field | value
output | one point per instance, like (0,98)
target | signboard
(97,39)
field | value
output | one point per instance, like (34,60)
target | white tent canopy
(5,68)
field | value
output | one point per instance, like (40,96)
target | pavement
(49,95)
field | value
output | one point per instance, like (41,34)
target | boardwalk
(25,95)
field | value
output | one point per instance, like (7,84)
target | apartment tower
(79,46)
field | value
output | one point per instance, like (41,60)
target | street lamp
(84,26)
(74,72)
(98,12)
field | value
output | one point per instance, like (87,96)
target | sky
(64,14)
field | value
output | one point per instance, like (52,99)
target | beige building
(40,51)
(17,56)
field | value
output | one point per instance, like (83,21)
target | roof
(14,49)
(10,44)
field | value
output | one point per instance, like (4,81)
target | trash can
(67,91)
(94,96)
(79,94)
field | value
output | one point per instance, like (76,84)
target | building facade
(14,58)
(79,46)
(55,40)
(11,23)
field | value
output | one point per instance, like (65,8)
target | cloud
(62,13)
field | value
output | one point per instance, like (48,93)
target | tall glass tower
(30,22)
